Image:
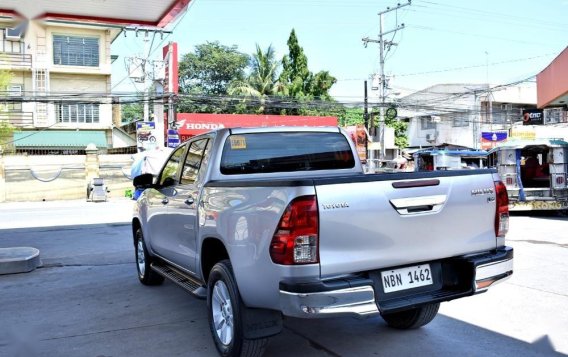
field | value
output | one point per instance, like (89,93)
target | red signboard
(171,82)
(190,124)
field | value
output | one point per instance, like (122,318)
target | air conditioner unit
(435,119)
(431,137)
(15,33)
(508,106)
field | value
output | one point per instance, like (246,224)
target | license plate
(406,278)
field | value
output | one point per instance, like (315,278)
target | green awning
(78,139)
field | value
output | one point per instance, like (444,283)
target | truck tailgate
(379,221)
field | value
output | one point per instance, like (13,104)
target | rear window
(285,152)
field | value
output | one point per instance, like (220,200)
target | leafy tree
(211,68)
(6,129)
(400,132)
(5,78)
(262,81)
(132,112)
(351,116)
(297,79)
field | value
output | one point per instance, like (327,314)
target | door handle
(165,201)
(415,205)
(189,201)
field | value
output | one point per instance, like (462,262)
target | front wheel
(413,318)
(145,273)
(225,311)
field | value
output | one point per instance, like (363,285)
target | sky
(443,41)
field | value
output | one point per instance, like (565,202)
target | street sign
(173,138)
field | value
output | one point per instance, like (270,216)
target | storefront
(191,124)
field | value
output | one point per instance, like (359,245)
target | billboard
(191,124)
(490,139)
(146,135)
(533,117)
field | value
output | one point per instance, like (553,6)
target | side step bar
(185,281)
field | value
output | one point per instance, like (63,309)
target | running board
(185,281)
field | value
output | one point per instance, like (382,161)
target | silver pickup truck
(266,222)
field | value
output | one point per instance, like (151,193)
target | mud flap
(260,323)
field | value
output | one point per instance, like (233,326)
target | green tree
(299,82)
(351,116)
(262,82)
(6,129)
(211,68)
(132,112)
(205,76)
(400,132)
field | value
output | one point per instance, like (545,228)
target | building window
(14,103)
(460,120)
(10,44)
(427,123)
(78,113)
(75,51)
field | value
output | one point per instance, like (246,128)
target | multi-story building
(461,114)
(59,58)
(52,66)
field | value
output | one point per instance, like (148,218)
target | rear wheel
(146,275)
(413,318)
(225,310)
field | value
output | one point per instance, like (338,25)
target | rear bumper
(363,295)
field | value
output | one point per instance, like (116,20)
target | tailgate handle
(415,205)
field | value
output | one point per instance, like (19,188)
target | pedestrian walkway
(64,213)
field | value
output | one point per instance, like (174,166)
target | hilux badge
(482,191)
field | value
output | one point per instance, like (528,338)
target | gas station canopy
(119,13)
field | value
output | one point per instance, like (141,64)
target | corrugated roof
(60,138)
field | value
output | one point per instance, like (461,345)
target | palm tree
(262,82)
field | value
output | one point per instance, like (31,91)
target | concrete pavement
(64,213)
(14,215)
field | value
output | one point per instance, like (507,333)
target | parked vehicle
(266,222)
(444,159)
(534,172)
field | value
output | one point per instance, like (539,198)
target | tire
(225,309)
(143,260)
(413,318)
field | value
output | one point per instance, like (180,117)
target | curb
(18,260)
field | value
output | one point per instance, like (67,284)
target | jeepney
(444,159)
(534,172)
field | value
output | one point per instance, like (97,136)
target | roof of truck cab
(273,129)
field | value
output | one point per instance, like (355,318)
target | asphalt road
(86,301)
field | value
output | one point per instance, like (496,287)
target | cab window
(170,172)
(193,161)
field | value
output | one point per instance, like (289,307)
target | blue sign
(173,138)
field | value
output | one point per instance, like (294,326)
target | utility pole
(142,70)
(384,45)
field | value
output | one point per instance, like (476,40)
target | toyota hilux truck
(282,221)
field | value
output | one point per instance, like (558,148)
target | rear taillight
(501,210)
(296,238)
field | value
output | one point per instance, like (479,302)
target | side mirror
(144,181)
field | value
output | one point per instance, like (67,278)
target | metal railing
(18,119)
(15,60)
